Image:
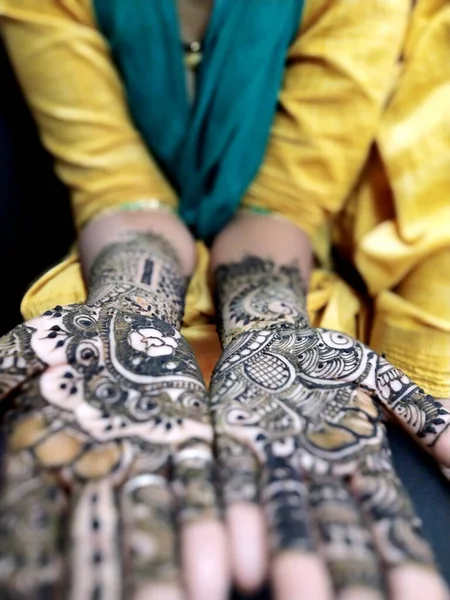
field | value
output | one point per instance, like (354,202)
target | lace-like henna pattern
(297,411)
(251,293)
(112,435)
(143,273)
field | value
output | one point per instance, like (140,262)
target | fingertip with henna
(159,592)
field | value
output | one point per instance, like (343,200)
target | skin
(114,468)
(108,471)
(87,475)
(246,309)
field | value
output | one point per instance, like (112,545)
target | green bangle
(256,210)
(135,206)
(152,204)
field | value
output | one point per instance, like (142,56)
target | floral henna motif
(117,422)
(306,404)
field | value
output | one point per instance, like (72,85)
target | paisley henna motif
(108,440)
(298,412)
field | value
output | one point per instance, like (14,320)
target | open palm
(298,418)
(107,429)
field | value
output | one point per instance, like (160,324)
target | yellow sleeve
(76,96)
(339,74)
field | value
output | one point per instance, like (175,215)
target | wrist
(110,229)
(140,273)
(257,294)
(132,296)
(265,236)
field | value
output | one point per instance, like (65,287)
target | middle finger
(298,573)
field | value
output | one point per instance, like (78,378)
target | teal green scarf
(210,150)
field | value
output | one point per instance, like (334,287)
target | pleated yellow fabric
(396,226)
(361,140)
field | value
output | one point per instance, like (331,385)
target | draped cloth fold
(212,150)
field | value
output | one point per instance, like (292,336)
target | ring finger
(33,510)
(345,541)
(298,573)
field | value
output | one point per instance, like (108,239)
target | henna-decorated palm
(107,424)
(298,419)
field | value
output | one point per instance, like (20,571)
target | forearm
(260,270)
(140,259)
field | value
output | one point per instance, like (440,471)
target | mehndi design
(107,432)
(297,411)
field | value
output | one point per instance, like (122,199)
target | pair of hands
(110,481)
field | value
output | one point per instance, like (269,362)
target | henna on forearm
(257,293)
(142,272)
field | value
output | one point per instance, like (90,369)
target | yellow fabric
(366,84)
(340,72)
(78,101)
(341,63)
(396,226)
